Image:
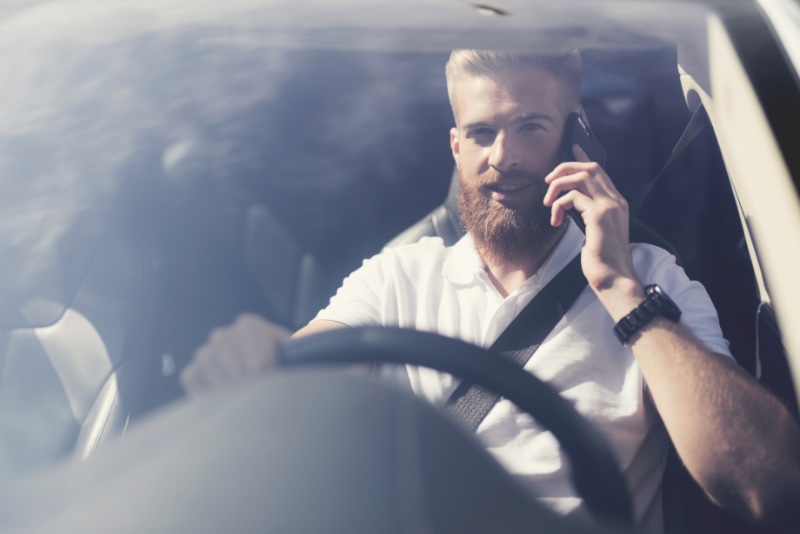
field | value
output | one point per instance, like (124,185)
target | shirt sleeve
(357,302)
(697,311)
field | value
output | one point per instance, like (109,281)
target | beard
(506,235)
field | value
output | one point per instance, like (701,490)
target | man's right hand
(243,350)
(246,349)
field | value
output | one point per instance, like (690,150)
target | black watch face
(667,306)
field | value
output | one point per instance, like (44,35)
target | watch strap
(656,303)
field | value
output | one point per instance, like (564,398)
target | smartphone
(577,132)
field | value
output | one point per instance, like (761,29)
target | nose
(503,155)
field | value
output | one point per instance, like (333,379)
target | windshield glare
(207,174)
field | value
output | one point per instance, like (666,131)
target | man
(510,110)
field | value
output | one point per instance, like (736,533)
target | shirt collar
(464,265)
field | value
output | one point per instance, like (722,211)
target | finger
(580,181)
(572,199)
(193,380)
(237,349)
(221,357)
(259,342)
(580,154)
(598,179)
(572,167)
(234,360)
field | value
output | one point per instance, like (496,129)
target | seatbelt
(696,125)
(470,402)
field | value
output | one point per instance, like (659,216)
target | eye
(482,136)
(480,132)
(531,126)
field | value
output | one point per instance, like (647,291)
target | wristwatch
(655,303)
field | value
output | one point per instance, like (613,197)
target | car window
(232,169)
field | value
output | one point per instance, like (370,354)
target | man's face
(507,139)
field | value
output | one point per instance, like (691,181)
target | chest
(580,356)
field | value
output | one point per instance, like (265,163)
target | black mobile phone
(577,132)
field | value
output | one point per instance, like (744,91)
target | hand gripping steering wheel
(595,474)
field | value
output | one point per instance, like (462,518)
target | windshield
(165,169)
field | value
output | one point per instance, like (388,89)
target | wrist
(656,304)
(621,296)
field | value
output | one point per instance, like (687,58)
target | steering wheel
(595,474)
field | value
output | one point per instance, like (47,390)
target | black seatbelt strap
(470,402)
(696,125)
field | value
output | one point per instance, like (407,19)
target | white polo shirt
(430,287)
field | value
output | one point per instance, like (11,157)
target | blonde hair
(565,67)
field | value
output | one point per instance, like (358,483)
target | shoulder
(386,284)
(647,254)
(426,253)
(654,265)
(425,245)
(408,261)
(651,261)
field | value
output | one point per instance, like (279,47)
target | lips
(507,188)
(509,194)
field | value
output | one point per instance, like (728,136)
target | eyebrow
(515,120)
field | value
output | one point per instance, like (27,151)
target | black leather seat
(445,222)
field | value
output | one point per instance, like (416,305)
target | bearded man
(510,111)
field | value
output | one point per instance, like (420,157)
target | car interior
(265,201)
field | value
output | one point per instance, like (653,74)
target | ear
(455,144)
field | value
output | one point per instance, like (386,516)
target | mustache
(514,175)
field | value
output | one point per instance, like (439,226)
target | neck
(508,273)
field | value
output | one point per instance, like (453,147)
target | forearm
(317,327)
(737,440)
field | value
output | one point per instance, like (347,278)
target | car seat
(445,222)
(72,364)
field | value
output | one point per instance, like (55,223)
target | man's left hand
(605,258)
